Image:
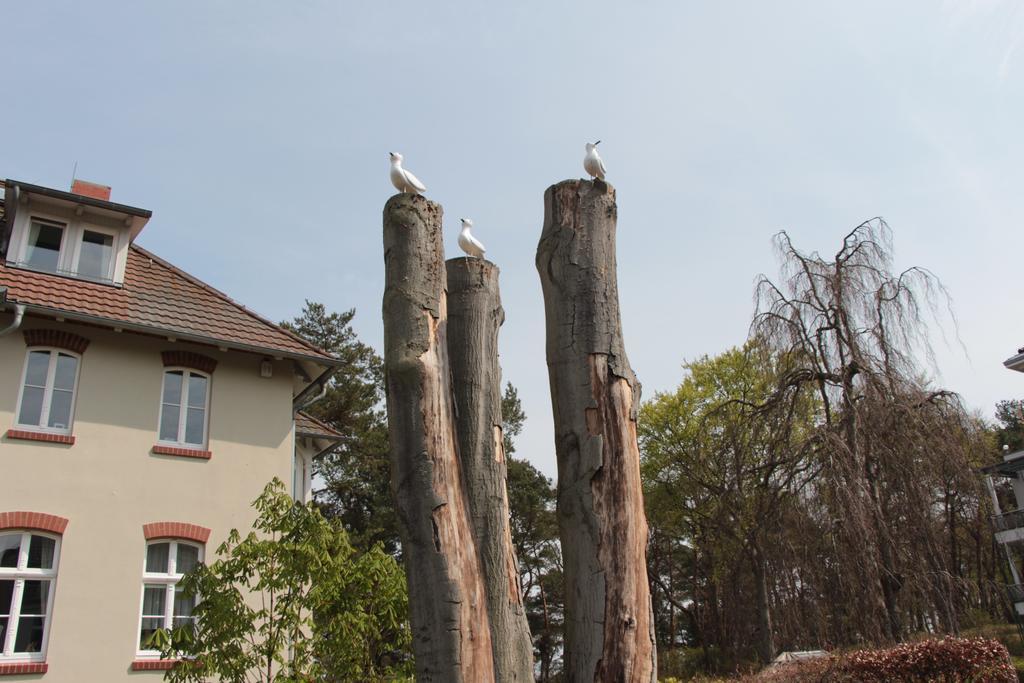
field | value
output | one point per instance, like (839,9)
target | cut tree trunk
(609,627)
(447,604)
(474,316)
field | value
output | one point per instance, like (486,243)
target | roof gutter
(1015,362)
(315,391)
(73,198)
(334,446)
(180,336)
(19,313)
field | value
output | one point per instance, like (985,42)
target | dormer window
(78,234)
(85,252)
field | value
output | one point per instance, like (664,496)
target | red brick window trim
(183,530)
(153,664)
(187,359)
(15,668)
(58,339)
(26,435)
(40,521)
(182,452)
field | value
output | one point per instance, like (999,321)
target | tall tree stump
(447,603)
(609,625)
(474,316)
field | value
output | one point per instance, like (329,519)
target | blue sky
(258,134)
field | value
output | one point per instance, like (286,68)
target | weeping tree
(892,446)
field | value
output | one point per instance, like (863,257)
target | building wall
(109,484)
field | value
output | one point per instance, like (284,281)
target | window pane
(188,558)
(154,599)
(149,625)
(64,376)
(183,604)
(6,593)
(194,426)
(172,387)
(30,635)
(183,607)
(182,621)
(40,552)
(156,557)
(196,391)
(169,422)
(34,597)
(44,246)
(60,410)
(38,366)
(3,630)
(10,546)
(31,406)
(95,254)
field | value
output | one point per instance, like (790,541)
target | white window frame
(71,245)
(19,575)
(183,408)
(170,579)
(76,253)
(66,238)
(51,371)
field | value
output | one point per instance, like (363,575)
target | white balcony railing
(1008,520)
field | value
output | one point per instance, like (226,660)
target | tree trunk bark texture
(765,635)
(474,316)
(447,603)
(609,627)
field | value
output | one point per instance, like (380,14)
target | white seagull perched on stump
(592,163)
(402,179)
(468,243)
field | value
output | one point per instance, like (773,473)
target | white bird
(468,243)
(402,179)
(592,163)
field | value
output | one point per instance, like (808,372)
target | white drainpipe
(19,313)
(311,401)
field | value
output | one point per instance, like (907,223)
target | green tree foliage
(512,417)
(531,498)
(356,474)
(719,476)
(291,601)
(1010,424)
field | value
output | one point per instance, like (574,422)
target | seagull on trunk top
(468,243)
(402,179)
(592,163)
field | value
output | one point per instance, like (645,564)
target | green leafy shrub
(292,601)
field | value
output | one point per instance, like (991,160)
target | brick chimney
(94,190)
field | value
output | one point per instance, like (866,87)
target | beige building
(141,412)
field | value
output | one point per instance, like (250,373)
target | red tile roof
(307,425)
(157,298)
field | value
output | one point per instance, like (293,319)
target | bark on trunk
(447,604)
(609,627)
(474,316)
(765,639)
